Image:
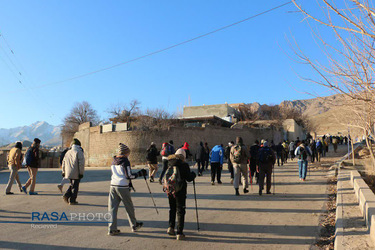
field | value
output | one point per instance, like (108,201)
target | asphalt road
(287,220)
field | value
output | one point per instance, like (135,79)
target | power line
(165,49)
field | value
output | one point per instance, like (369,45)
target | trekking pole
(152,198)
(273,173)
(196,206)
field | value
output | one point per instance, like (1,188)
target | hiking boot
(73,203)
(260,191)
(160,181)
(60,187)
(245,191)
(180,237)
(114,232)
(231,181)
(219,182)
(21,190)
(212,183)
(8,193)
(268,192)
(137,226)
(32,193)
(151,179)
(237,193)
(171,231)
(24,189)
(66,199)
(199,174)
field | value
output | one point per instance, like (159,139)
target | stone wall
(101,147)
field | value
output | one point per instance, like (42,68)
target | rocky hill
(48,134)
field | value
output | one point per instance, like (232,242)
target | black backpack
(265,155)
(302,154)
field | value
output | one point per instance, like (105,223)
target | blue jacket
(217,154)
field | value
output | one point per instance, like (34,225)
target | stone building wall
(100,147)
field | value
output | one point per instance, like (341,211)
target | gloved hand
(81,176)
(142,172)
(63,175)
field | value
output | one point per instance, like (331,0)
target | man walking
(216,159)
(266,161)
(14,164)
(32,164)
(239,156)
(166,150)
(302,152)
(73,168)
(230,164)
(199,158)
(254,150)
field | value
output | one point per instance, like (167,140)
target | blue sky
(55,40)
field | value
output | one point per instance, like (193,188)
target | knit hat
(122,149)
(76,142)
(36,140)
(182,152)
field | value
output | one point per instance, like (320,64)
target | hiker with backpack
(14,163)
(199,158)
(319,150)
(239,155)
(254,149)
(230,164)
(166,150)
(73,167)
(206,155)
(187,150)
(175,185)
(152,160)
(216,160)
(313,150)
(266,162)
(120,189)
(32,163)
(279,154)
(302,152)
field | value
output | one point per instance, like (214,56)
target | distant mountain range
(49,135)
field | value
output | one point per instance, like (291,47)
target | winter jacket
(254,151)
(35,159)
(292,146)
(206,153)
(121,172)
(184,170)
(74,163)
(152,155)
(244,154)
(266,165)
(14,157)
(217,154)
(200,153)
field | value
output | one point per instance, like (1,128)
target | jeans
(72,191)
(13,176)
(116,195)
(302,169)
(253,169)
(177,205)
(215,171)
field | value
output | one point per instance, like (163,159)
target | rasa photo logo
(43,220)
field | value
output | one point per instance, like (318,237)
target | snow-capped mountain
(49,135)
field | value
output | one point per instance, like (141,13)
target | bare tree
(79,114)
(123,112)
(350,69)
(155,119)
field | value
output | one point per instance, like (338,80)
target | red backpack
(165,149)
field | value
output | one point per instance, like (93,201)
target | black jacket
(200,153)
(184,169)
(152,154)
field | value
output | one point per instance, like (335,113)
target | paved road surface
(287,220)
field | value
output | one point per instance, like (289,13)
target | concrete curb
(366,199)
(339,226)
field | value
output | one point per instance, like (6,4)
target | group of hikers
(243,164)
